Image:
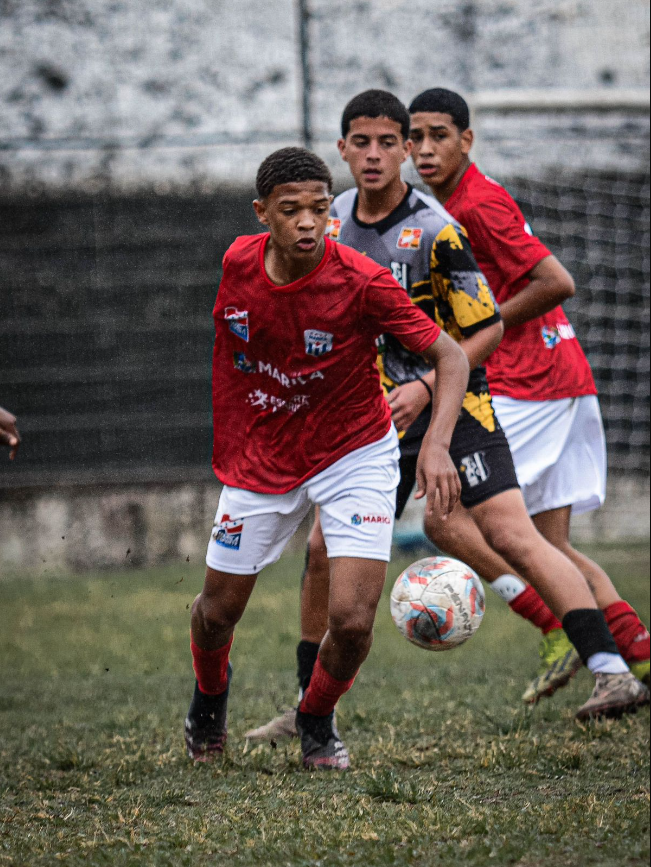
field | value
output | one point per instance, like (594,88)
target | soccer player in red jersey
(9,435)
(544,392)
(412,234)
(300,419)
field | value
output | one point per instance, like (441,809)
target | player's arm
(436,475)
(9,435)
(550,284)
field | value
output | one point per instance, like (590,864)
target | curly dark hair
(443,101)
(375,103)
(289,166)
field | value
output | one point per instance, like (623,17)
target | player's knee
(215,615)
(515,546)
(350,630)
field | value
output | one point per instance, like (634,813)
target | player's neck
(446,191)
(374,206)
(284,268)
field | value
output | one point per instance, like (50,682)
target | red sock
(530,606)
(630,634)
(324,692)
(211,668)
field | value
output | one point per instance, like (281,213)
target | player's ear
(467,141)
(341,144)
(260,208)
(408,147)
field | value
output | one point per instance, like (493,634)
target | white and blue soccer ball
(438,603)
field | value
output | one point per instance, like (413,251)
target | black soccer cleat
(206,728)
(322,747)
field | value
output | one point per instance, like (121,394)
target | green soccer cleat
(559,662)
(642,670)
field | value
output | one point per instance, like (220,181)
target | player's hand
(437,479)
(407,402)
(9,435)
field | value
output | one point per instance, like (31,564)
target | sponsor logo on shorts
(318,342)
(552,335)
(475,468)
(241,362)
(333,228)
(358,520)
(410,239)
(238,322)
(228,533)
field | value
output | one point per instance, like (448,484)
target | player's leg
(357,497)
(355,589)
(215,613)
(559,449)
(237,553)
(506,525)
(483,459)
(315,589)
(630,634)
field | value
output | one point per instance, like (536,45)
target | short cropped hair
(375,103)
(438,99)
(289,166)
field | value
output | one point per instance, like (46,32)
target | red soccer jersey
(295,383)
(542,359)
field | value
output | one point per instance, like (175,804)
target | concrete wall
(196,92)
(64,530)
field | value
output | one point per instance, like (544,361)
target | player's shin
(588,631)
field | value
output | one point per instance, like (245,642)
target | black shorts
(482,458)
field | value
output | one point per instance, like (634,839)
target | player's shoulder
(344,204)
(483,190)
(351,260)
(243,247)
(431,215)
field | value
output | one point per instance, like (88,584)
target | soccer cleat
(320,742)
(613,696)
(206,727)
(280,728)
(559,662)
(642,670)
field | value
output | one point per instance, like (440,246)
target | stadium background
(129,138)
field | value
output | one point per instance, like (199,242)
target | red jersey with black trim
(295,381)
(541,359)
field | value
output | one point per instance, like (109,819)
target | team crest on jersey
(410,239)
(333,228)
(318,342)
(238,322)
(228,533)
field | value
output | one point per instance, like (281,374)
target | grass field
(449,767)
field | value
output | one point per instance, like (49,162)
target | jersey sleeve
(498,224)
(458,282)
(388,309)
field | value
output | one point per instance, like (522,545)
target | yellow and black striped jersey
(429,254)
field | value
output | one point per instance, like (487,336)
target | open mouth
(306,244)
(372,174)
(427,170)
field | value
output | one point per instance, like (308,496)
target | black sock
(306,655)
(588,631)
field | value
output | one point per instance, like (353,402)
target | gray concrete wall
(196,92)
(72,529)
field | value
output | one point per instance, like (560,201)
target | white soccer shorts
(357,500)
(559,451)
